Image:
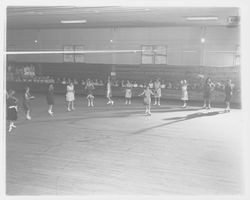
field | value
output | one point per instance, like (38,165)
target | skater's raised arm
(141,93)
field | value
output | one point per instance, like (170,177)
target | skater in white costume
(147,99)
(128,93)
(109,92)
(184,96)
(70,96)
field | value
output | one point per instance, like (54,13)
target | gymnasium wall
(218,50)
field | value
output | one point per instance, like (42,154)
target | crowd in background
(17,73)
(27,73)
(219,85)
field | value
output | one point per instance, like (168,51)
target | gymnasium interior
(117,149)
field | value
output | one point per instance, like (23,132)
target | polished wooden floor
(118,150)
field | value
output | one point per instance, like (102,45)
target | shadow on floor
(91,115)
(180,119)
(158,110)
(196,115)
(178,109)
(69,119)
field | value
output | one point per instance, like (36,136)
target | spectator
(64,82)
(151,84)
(75,81)
(83,82)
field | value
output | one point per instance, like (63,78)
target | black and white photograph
(104,100)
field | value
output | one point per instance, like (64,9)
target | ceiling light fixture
(74,21)
(203,40)
(202,18)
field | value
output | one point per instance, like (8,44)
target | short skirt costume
(128,93)
(228,92)
(207,91)
(90,89)
(50,97)
(147,97)
(70,95)
(184,95)
(157,90)
(11,109)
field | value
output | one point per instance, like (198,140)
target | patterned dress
(157,87)
(128,91)
(90,88)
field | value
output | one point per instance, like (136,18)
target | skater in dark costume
(208,88)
